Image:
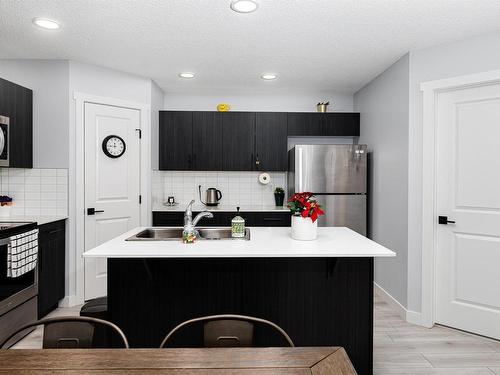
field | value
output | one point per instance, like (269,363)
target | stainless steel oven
(18,295)
(4,141)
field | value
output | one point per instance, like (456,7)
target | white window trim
(430,91)
(76,187)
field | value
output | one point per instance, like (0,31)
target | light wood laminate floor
(399,348)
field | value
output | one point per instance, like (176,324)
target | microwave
(4,141)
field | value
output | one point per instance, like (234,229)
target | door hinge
(139,131)
(140,199)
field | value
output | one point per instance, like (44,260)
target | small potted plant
(279,196)
(5,205)
(305,212)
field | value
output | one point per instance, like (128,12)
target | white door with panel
(112,183)
(468,194)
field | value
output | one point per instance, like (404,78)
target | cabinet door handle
(257,161)
(54,231)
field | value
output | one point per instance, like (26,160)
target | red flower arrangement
(304,204)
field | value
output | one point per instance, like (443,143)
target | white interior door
(112,185)
(468,178)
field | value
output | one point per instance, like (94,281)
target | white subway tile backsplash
(238,188)
(36,191)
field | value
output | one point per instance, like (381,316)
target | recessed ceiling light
(45,23)
(186,75)
(244,6)
(268,76)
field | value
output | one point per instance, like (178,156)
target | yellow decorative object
(223,107)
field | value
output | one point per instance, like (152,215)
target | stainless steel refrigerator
(337,175)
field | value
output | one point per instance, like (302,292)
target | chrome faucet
(189,222)
(200,216)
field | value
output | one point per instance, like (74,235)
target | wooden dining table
(207,361)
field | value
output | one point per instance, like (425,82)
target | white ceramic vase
(303,228)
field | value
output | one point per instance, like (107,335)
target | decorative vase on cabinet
(304,229)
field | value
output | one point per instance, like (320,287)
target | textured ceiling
(311,44)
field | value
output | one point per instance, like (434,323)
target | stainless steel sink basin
(157,234)
(175,234)
(221,234)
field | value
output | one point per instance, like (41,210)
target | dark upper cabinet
(337,124)
(176,140)
(207,141)
(238,145)
(271,141)
(341,124)
(305,124)
(51,266)
(16,102)
(241,141)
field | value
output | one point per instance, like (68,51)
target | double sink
(175,234)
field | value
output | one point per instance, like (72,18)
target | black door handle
(444,220)
(93,211)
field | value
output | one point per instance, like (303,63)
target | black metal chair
(227,330)
(69,332)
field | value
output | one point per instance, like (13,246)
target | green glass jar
(238,226)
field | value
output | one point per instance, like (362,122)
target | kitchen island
(320,292)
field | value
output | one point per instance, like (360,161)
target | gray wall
(469,56)
(49,81)
(268,100)
(383,105)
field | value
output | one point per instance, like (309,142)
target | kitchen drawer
(176,219)
(223,219)
(168,219)
(269,219)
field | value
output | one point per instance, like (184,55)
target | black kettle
(212,196)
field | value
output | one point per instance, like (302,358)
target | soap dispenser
(238,225)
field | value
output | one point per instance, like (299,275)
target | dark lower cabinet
(16,103)
(223,219)
(317,301)
(51,265)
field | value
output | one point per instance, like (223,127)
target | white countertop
(264,243)
(222,208)
(39,219)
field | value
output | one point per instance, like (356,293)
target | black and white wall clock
(113,146)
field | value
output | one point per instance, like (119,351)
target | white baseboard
(70,301)
(410,316)
(65,302)
(414,317)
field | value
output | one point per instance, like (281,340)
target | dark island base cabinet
(223,219)
(317,301)
(51,266)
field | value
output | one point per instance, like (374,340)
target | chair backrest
(68,332)
(227,330)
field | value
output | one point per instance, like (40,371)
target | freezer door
(343,211)
(338,169)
